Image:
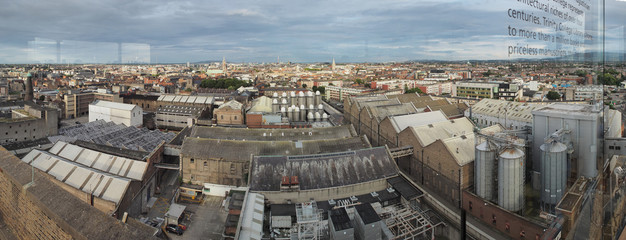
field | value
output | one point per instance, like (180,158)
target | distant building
(511,115)
(28,123)
(120,113)
(340,93)
(227,162)
(77,104)
(177,117)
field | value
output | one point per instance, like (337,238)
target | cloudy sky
(260,31)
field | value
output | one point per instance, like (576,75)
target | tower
(224,66)
(29,88)
(332,67)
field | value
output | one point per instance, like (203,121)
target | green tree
(552,95)
(414,90)
(321,89)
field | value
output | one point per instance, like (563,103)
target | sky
(158,31)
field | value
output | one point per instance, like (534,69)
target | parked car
(174,229)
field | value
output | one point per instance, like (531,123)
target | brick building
(229,113)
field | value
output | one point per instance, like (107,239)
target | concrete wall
(132,117)
(275,197)
(15,131)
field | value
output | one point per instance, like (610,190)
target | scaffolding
(309,220)
(408,223)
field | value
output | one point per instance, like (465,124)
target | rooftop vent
(390,190)
(374,194)
(353,198)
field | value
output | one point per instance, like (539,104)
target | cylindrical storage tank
(484,172)
(283,111)
(309,98)
(301,99)
(324,117)
(284,95)
(290,114)
(303,113)
(292,99)
(553,168)
(318,97)
(318,117)
(275,95)
(511,179)
(275,106)
(310,117)
(296,114)
(283,103)
(320,108)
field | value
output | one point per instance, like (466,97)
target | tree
(321,89)
(304,85)
(552,95)
(414,90)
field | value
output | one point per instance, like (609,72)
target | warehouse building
(227,162)
(334,175)
(119,113)
(288,134)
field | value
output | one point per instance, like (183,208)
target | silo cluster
(499,173)
(299,107)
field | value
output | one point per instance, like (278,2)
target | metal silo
(511,179)
(553,169)
(484,171)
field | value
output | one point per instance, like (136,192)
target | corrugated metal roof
(102,185)
(517,111)
(252,217)
(120,166)
(262,104)
(168,98)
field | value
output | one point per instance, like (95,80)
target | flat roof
(286,134)
(236,150)
(114,105)
(405,188)
(367,213)
(340,219)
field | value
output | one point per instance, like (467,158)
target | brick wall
(24,216)
(506,222)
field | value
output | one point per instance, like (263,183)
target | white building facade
(127,114)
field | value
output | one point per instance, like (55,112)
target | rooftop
(403,121)
(367,213)
(262,104)
(236,150)
(322,170)
(71,213)
(206,100)
(114,105)
(382,111)
(232,104)
(427,134)
(405,188)
(343,131)
(180,110)
(340,219)
(517,111)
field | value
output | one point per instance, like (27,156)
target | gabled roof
(427,134)
(262,104)
(232,104)
(382,111)
(461,148)
(418,119)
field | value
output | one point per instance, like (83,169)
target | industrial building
(287,134)
(229,114)
(114,135)
(334,175)
(28,197)
(227,162)
(177,117)
(28,123)
(119,113)
(185,100)
(77,104)
(113,182)
(376,215)
(391,126)
(509,114)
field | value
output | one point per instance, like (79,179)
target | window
(191,161)
(222,117)
(235,117)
